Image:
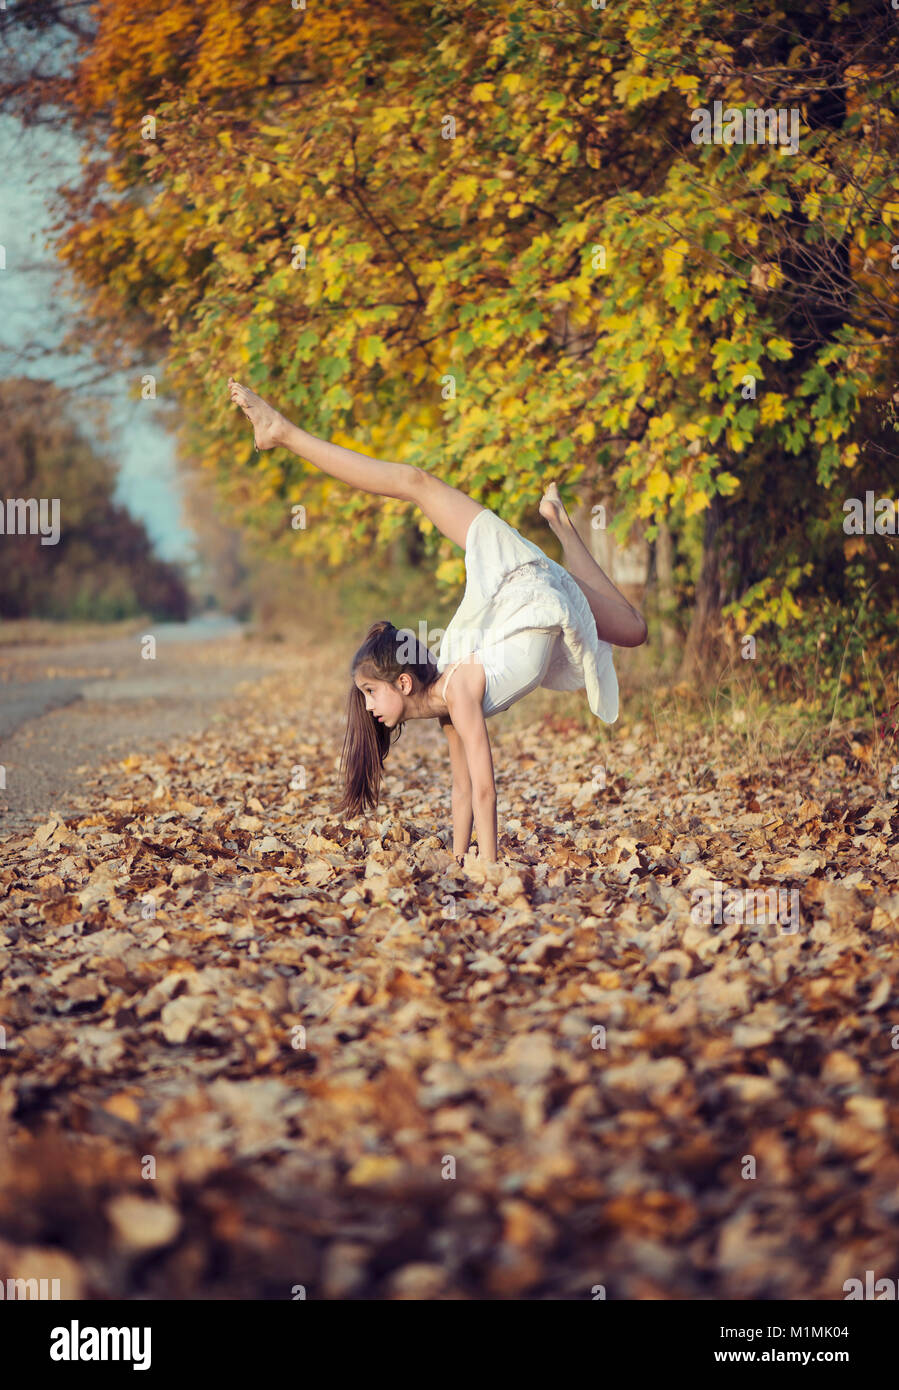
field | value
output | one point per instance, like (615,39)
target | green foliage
(570,284)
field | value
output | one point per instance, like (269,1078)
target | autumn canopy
(486,239)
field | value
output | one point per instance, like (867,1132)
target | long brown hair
(385,654)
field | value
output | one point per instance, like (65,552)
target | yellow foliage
(696,502)
(661,425)
(635,374)
(465,188)
(658,484)
(673,258)
(381,201)
(451,572)
(772,407)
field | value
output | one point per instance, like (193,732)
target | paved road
(24,700)
(64,710)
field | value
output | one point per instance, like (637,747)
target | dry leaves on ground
(250,1047)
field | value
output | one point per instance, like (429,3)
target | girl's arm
(463,819)
(471,729)
(461,795)
(484,811)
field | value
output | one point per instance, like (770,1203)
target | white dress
(528,622)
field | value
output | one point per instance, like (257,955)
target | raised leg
(450,510)
(617,621)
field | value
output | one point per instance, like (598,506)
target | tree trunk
(671,640)
(703,650)
(626,565)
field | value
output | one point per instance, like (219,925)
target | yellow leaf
(811,204)
(658,484)
(372,1168)
(673,258)
(772,408)
(123,1106)
(661,425)
(696,502)
(466,188)
(634,374)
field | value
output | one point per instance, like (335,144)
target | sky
(33,317)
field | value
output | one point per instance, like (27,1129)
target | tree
(100,565)
(376,215)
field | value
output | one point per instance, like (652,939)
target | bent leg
(617,621)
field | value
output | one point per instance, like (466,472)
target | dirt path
(67,709)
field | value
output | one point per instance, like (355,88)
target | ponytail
(385,654)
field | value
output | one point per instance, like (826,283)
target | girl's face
(382,699)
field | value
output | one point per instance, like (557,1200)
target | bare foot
(266,421)
(552,508)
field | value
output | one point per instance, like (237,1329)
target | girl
(524,622)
